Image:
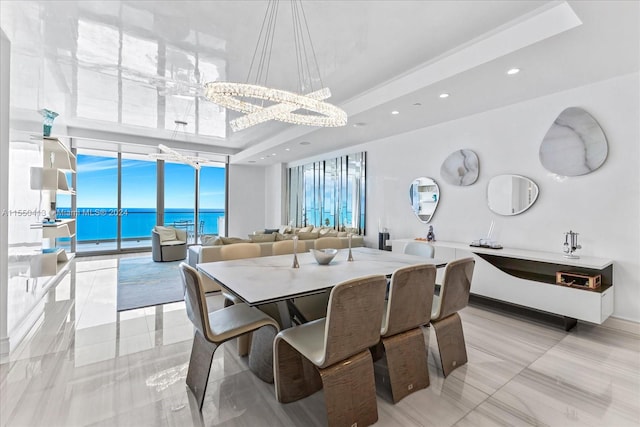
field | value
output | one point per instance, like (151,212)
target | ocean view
(95,224)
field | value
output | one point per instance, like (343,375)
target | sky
(97,180)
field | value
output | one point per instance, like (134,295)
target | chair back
(328,243)
(454,292)
(410,298)
(239,251)
(283,247)
(354,316)
(195,299)
(420,249)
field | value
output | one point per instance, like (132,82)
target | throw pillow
(306,229)
(324,230)
(330,233)
(307,235)
(271,230)
(342,234)
(316,229)
(262,238)
(211,240)
(284,229)
(280,237)
(166,233)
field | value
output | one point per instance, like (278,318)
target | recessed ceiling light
(252,161)
(395,112)
(287,149)
(513,71)
(261,158)
(305,143)
(273,154)
(444,95)
(359,124)
(417,104)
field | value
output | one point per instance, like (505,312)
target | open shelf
(50,262)
(49,179)
(59,228)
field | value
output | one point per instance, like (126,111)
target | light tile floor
(100,368)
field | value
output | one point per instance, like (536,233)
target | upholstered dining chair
(407,309)
(328,243)
(454,296)
(333,353)
(421,249)
(215,328)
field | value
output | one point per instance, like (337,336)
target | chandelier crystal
(285,106)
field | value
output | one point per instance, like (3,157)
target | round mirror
(511,194)
(424,195)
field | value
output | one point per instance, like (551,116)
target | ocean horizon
(94,223)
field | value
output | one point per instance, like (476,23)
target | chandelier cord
(313,51)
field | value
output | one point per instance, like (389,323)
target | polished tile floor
(86,365)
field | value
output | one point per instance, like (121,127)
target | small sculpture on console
(571,244)
(431,236)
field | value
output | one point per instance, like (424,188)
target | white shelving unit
(57,161)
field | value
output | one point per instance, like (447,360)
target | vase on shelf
(48,117)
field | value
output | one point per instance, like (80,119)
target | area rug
(143,283)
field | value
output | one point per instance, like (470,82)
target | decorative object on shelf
(234,95)
(324,256)
(511,194)
(424,195)
(489,241)
(431,236)
(48,117)
(571,245)
(295,253)
(574,145)
(460,168)
(578,279)
(350,257)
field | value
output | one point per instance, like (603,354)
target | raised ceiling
(127,70)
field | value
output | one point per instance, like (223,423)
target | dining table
(273,279)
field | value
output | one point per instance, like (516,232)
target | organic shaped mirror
(511,194)
(424,195)
(460,168)
(574,145)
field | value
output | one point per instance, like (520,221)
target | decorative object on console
(571,245)
(460,168)
(511,194)
(350,257)
(574,145)
(489,241)
(424,195)
(47,122)
(431,236)
(578,279)
(288,107)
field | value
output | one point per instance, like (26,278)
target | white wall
(604,206)
(247,186)
(275,182)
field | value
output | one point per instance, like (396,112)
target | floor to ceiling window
(211,212)
(137,201)
(180,197)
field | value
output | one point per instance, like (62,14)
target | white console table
(528,279)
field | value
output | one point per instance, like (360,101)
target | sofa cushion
(262,238)
(302,235)
(343,234)
(328,232)
(287,236)
(166,233)
(211,240)
(232,240)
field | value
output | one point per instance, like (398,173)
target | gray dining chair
(407,309)
(333,353)
(420,249)
(453,297)
(217,327)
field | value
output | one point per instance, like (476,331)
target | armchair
(168,244)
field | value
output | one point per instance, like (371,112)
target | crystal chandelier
(285,106)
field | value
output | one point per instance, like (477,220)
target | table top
(271,279)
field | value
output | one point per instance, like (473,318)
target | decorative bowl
(324,256)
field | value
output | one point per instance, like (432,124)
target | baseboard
(623,325)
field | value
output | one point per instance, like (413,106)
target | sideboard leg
(569,323)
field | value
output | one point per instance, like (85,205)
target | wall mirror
(511,194)
(574,145)
(424,195)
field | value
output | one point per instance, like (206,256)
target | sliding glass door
(180,198)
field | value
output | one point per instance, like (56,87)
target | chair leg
(407,362)
(350,391)
(295,377)
(453,351)
(261,354)
(200,366)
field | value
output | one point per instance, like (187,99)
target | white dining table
(273,279)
